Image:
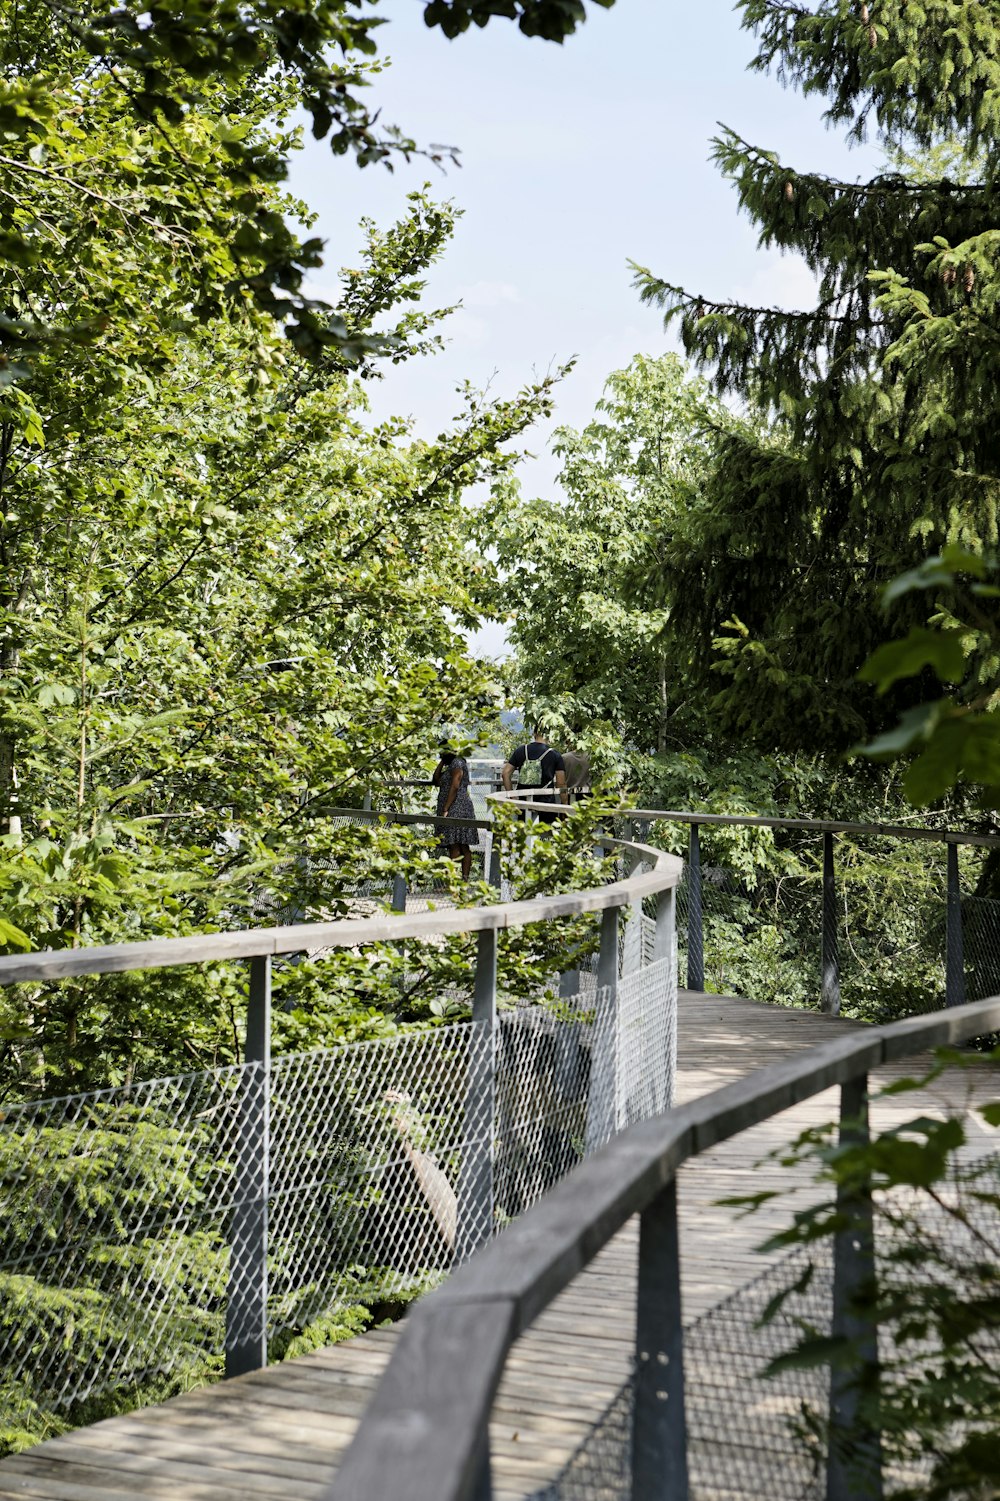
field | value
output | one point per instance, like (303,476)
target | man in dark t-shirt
(546,770)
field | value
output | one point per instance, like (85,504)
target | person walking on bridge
(538,765)
(451,778)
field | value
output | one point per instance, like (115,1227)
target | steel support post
(665,941)
(602,1106)
(567,1064)
(954,993)
(475,1189)
(829,1001)
(659,1434)
(665,947)
(398,904)
(854,1459)
(246,1306)
(696,934)
(483,1484)
(493,875)
(632,944)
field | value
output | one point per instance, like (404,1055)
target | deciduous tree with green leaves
(578,575)
(204,196)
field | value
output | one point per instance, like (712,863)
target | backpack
(530,772)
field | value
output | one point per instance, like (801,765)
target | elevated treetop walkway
(426,1432)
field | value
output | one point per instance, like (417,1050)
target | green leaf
(914,725)
(13,937)
(816,1350)
(942,650)
(934,572)
(936,770)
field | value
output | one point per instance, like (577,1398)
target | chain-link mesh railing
(148,1229)
(758,1423)
(762,918)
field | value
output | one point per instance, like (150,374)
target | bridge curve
(189,1447)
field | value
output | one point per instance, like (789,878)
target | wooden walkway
(277,1435)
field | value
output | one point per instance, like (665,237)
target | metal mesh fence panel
(762,928)
(647,1042)
(981,935)
(113,1250)
(368,1144)
(751,1432)
(144,1230)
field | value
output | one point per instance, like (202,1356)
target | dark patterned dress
(451,834)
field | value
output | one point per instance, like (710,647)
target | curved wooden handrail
(164,953)
(763,821)
(812,825)
(422,1436)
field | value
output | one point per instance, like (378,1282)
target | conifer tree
(884,444)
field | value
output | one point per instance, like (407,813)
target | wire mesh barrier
(150,1230)
(879,924)
(753,1430)
(899,1306)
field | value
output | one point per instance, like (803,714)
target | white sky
(575,159)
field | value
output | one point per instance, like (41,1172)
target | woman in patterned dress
(451,778)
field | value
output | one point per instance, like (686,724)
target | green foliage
(227,602)
(936,1300)
(191,175)
(955,739)
(546,860)
(96,1264)
(879,397)
(580,577)
(554,20)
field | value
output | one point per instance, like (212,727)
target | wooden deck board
(279,1433)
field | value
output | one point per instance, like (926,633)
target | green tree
(158,69)
(935,1398)
(882,444)
(579,574)
(222,614)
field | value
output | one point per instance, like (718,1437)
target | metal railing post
(475,1192)
(665,947)
(696,934)
(632,943)
(246,1305)
(602,1105)
(954,981)
(829,1000)
(665,940)
(659,1431)
(493,875)
(398,904)
(567,1072)
(854,1459)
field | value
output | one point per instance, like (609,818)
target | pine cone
(872,37)
(968,280)
(949,276)
(699,311)
(789,191)
(865,15)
